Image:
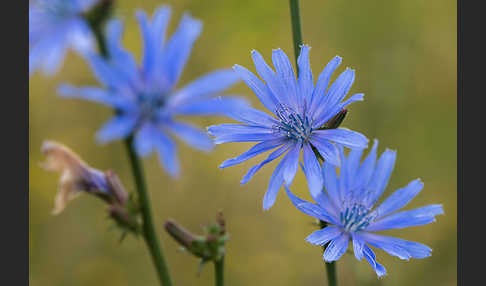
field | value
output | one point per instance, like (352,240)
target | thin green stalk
(331,273)
(219,272)
(296,27)
(97,18)
(297,37)
(148,226)
(330,266)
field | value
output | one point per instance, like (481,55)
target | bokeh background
(404,53)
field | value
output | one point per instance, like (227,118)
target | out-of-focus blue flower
(347,208)
(145,98)
(54,27)
(301,109)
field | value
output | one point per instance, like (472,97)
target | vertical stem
(297,37)
(296,27)
(331,273)
(96,19)
(148,226)
(219,272)
(330,266)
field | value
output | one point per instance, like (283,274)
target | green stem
(148,226)
(330,266)
(96,18)
(219,272)
(297,37)
(331,273)
(296,27)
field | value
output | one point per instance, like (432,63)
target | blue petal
(325,117)
(252,116)
(270,78)
(370,256)
(399,198)
(400,248)
(420,216)
(345,190)
(204,86)
(368,166)
(47,55)
(312,172)
(123,63)
(305,80)
(347,138)
(381,175)
(80,37)
(358,245)
(323,82)
(244,137)
(214,106)
(311,209)
(336,248)
(253,151)
(276,181)
(94,94)
(335,94)
(153,35)
(179,47)
(167,151)
(191,135)
(328,151)
(352,167)
(274,155)
(106,73)
(286,74)
(259,88)
(331,183)
(323,236)
(117,128)
(225,133)
(144,139)
(292,163)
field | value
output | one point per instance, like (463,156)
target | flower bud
(208,247)
(336,120)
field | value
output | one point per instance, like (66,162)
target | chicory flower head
(301,110)
(54,27)
(347,208)
(145,98)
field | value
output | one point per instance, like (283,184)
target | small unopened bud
(208,247)
(337,119)
(221,223)
(180,234)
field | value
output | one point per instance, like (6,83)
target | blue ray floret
(347,206)
(54,27)
(145,98)
(300,111)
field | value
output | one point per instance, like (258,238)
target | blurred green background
(404,53)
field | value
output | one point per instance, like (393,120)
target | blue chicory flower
(54,27)
(145,98)
(301,109)
(347,208)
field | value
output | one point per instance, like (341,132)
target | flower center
(149,105)
(355,217)
(292,124)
